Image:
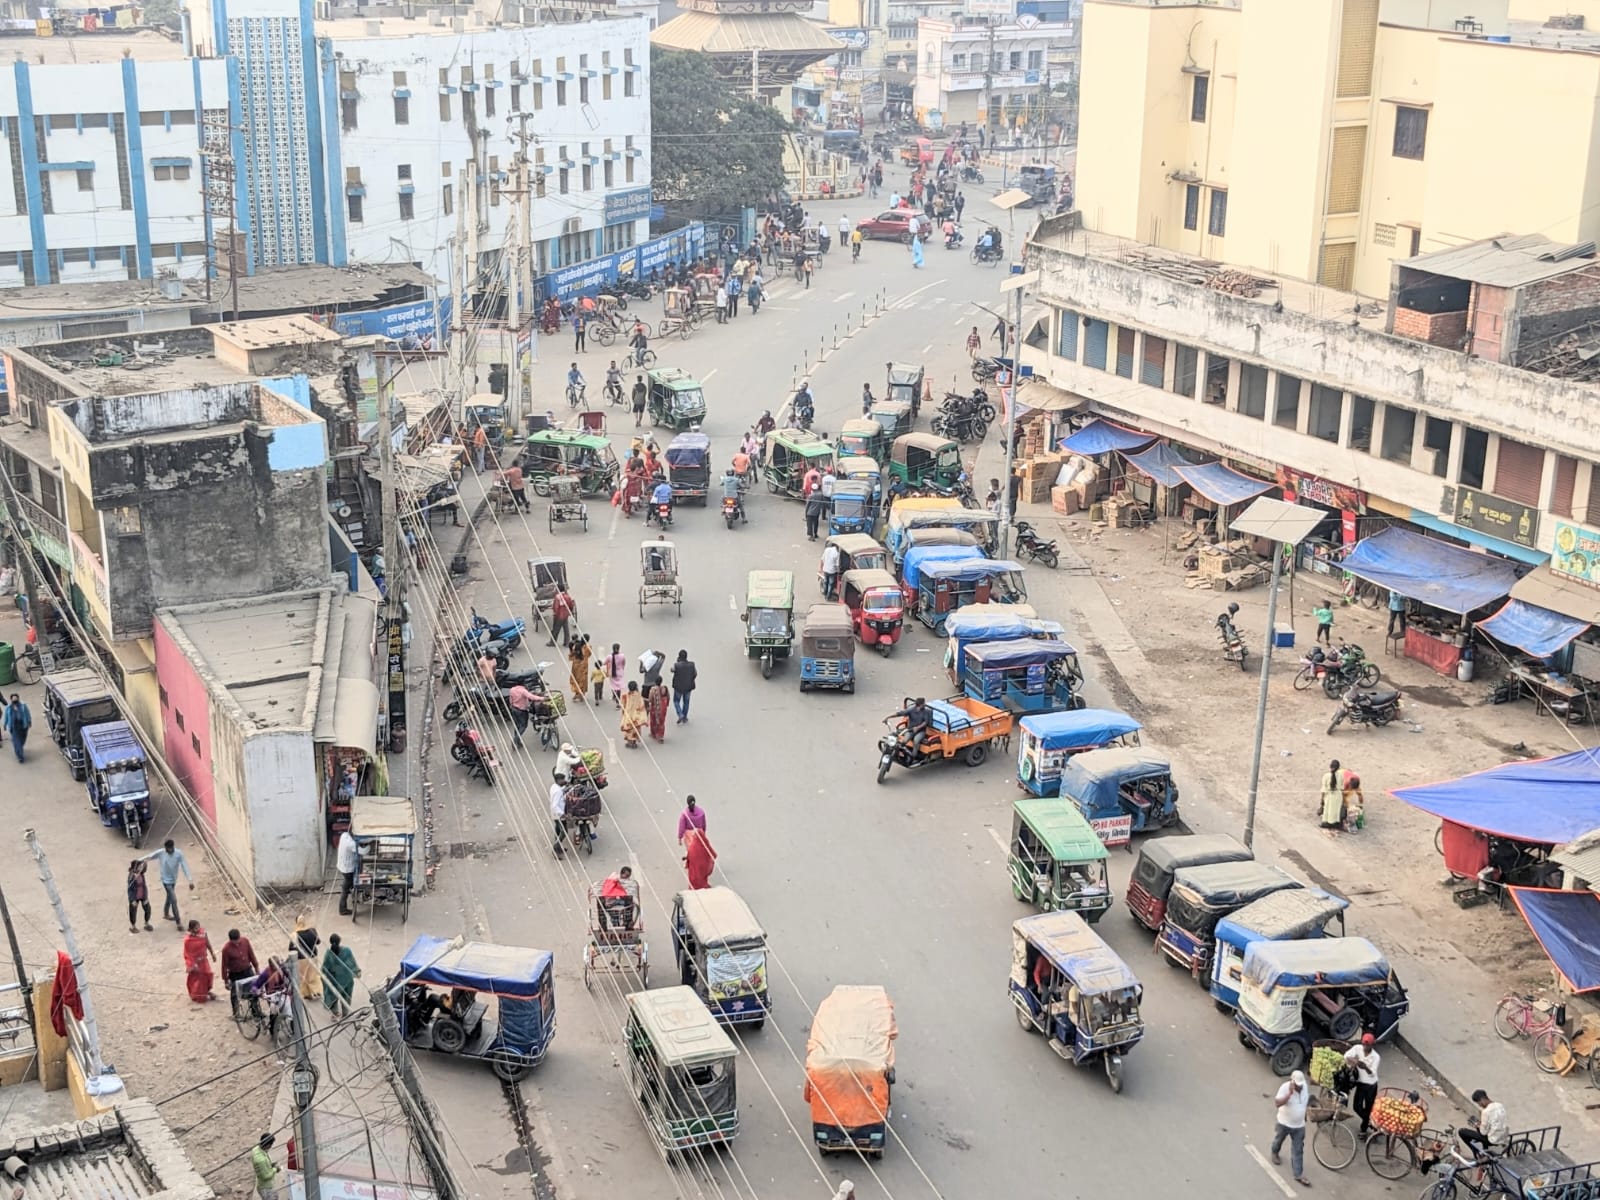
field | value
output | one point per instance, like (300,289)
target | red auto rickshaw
(877,607)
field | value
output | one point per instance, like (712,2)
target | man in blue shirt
(1397,614)
(17,721)
(661,495)
(575,386)
(171,860)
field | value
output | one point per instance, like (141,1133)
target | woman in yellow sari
(578,667)
(633,714)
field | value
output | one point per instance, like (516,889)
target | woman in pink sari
(656,704)
(197,959)
(699,858)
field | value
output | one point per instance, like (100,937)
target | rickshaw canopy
(547,570)
(688,450)
(874,579)
(920,557)
(852,1034)
(1230,885)
(718,917)
(1061,829)
(1023,652)
(970,626)
(769,589)
(382,816)
(1066,940)
(477,966)
(1286,915)
(969,569)
(1082,727)
(113,744)
(1162,858)
(1315,963)
(1112,765)
(800,443)
(905,375)
(852,545)
(858,466)
(828,621)
(680,1027)
(858,491)
(561,438)
(894,409)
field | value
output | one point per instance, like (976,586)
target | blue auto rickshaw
(114,773)
(1291,915)
(1123,791)
(1024,675)
(1294,993)
(454,1020)
(1201,897)
(828,649)
(1067,984)
(988,623)
(862,470)
(1048,740)
(931,513)
(944,586)
(852,508)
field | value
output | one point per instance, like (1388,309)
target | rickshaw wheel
(1114,1072)
(508,1064)
(975,754)
(886,648)
(541,486)
(588,975)
(552,520)
(1024,1020)
(1288,1058)
(448,1036)
(766,666)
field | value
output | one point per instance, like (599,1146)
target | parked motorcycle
(1031,545)
(1233,647)
(1366,708)
(472,750)
(481,632)
(1337,670)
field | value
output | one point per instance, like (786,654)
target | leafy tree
(712,149)
(162,12)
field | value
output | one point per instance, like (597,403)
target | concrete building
(1326,139)
(994,74)
(128,1151)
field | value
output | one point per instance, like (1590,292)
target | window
(538,173)
(171,171)
(61,121)
(488,102)
(448,198)
(1410,131)
(1217,224)
(402,110)
(516,97)
(958,62)
(1185,370)
(85,180)
(1125,353)
(1361,418)
(1067,342)
(617,237)
(588,177)
(606,163)
(1095,335)
(1191,206)
(561,84)
(182,116)
(403,172)
(399,79)
(1016,60)
(347,99)
(1286,409)
(1252,391)
(1436,437)
(466,76)
(1198,98)
(1035,59)
(444,170)
(444,106)
(178,716)
(194,741)
(627,158)
(605,87)
(1153,362)
(1399,432)
(627,72)
(563,181)
(96,121)
(79,254)
(1474,456)
(1216,391)
(353,208)
(1518,472)
(538,96)
(408,206)
(1327,409)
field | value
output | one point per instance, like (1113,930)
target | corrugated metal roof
(1581,858)
(120,1155)
(1507,260)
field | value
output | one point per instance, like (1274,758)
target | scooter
(1366,708)
(1031,545)
(481,632)
(971,174)
(472,750)
(953,240)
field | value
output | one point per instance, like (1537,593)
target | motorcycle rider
(732,488)
(661,495)
(952,234)
(919,722)
(805,409)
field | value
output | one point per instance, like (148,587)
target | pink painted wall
(183,692)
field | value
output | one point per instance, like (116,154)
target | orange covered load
(850,1068)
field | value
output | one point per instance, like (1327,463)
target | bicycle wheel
(1334,1143)
(1509,1016)
(249,1024)
(1390,1155)
(1444,1189)
(1551,1051)
(28,669)
(1305,679)
(1367,593)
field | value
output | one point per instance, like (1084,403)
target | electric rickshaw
(790,453)
(1024,675)
(945,585)
(676,398)
(688,462)
(768,617)
(857,552)
(894,416)
(852,507)
(876,607)
(973,624)
(1055,859)
(1159,862)
(850,1069)
(682,1069)
(587,457)
(721,951)
(1047,740)
(1123,790)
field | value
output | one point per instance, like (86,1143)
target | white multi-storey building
(989,73)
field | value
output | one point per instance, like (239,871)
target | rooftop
(127,1153)
(392,22)
(270,332)
(1507,260)
(109,46)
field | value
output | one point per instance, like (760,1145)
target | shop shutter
(1125,353)
(1095,335)
(1566,484)
(1518,471)
(1152,372)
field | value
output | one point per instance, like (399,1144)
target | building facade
(998,73)
(1327,139)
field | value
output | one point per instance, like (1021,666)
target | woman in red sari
(698,858)
(656,704)
(197,959)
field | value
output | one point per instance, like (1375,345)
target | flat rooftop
(271,333)
(110,46)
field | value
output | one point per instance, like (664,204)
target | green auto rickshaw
(676,398)
(894,416)
(1056,859)
(768,617)
(917,459)
(861,436)
(790,454)
(586,457)
(682,1068)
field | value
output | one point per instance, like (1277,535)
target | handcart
(581,820)
(658,567)
(566,502)
(616,933)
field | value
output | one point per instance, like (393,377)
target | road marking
(1261,1161)
(904,301)
(732,604)
(709,374)
(998,840)
(928,347)
(842,297)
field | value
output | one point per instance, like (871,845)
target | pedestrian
(1397,614)
(238,965)
(650,664)
(641,396)
(597,679)
(1355,804)
(830,569)
(1291,1105)
(974,343)
(562,609)
(1331,807)
(197,959)
(17,721)
(348,856)
(815,504)
(722,303)
(683,677)
(617,672)
(520,700)
(807,268)
(867,399)
(656,703)
(517,487)
(735,287)
(580,329)
(692,817)
(1323,615)
(961,203)
(633,715)
(578,655)
(999,333)
(1363,1059)
(305,943)
(916,250)
(339,972)
(266,1171)
(170,860)
(488,668)
(698,859)
(480,448)
(138,893)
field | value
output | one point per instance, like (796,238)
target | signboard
(397,675)
(1320,491)
(988,8)
(629,205)
(1113,831)
(415,320)
(1577,553)
(1504,519)
(680,245)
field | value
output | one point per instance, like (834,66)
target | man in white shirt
(1291,1103)
(1493,1133)
(349,856)
(1363,1059)
(830,570)
(558,815)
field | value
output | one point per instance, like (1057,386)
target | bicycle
(1564,1056)
(575,394)
(1484,1181)
(1395,1155)
(1514,1017)
(614,394)
(1334,1143)
(29,668)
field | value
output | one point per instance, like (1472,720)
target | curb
(1407,1047)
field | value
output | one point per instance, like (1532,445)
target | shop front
(1322,550)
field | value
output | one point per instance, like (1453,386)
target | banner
(415,320)
(628,205)
(1577,553)
(680,245)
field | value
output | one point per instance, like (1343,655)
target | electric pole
(218,173)
(303,1082)
(93,1070)
(394,564)
(519,275)
(24,983)
(988,78)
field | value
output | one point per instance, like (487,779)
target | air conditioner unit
(572,225)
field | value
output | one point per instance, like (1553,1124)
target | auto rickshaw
(828,649)
(1339,987)
(114,773)
(682,1067)
(904,383)
(768,617)
(1048,740)
(1070,986)
(790,454)
(688,459)
(486,411)
(588,457)
(941,512)
(973,624)
(1161,859)
(852,508)
(861,437)
(721,951)
(75,699)
(1055,859)
(1122,791)
(962,728)
(857,552)
(945,585)
(547,574)
(850,1069)
(894,416)
(876,607)
(1291,915)
(676,398)
(858,468)
(918,459)
(1202,896)
(913,562)
(1024,675)
(522,982)
(385,832)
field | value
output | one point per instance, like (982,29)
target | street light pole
(1006,514)
(1261,696)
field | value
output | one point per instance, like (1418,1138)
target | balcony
(49,533)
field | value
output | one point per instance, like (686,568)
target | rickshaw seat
(616,914)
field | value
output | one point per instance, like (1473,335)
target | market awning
(347,704)
(1567,925)
(1034,395)
(1221,483)
(1566,596)
(1160,462)
(1545,800)
(1529,627)
(1430,571)
(1098,437)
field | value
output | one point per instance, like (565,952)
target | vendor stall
(1223,486)
(1155,480)
(1567,926)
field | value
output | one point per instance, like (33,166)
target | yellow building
(1325,139)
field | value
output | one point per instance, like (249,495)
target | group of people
(1341,808)
(265,989)
(648,699)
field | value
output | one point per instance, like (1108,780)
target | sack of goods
(1396,1115)
(1325,1061)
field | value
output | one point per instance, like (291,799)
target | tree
(162,13)
(712,150)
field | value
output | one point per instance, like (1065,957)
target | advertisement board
(1496,515)
(628,205)
(418,319)
(1577,553)
(637,262)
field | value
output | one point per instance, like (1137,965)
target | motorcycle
(733,510)
(1337,670)
(1031,545)
(659,514)
(481,633)
(898,746)
(1366,708)
(963,427)
(978,403)
(990,253)
(472,750)
(971,174)
(953,239)
(1233,647)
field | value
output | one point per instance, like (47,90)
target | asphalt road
(902,884)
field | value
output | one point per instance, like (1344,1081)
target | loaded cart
(385,830)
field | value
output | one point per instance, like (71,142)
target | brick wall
(1551,308)
(1439,329)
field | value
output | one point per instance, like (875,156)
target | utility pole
(91,1034)
(421,1113)
(303,1084)
(519,277)
(394,564)
(218,174)
(988,78)
(23,981)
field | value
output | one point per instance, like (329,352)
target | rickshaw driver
(919,720)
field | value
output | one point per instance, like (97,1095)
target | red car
(895,224)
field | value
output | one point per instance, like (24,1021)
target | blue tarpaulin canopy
(1529,627)
(1082,727)
(1220,483)
(1159,462)
(688,450)
(1320,962)
(919,556)
(968,569)
(1097,437)
(1567,925)
(478,966)
(1549,800)
(1019,653)
(1077,952)
(1433,572)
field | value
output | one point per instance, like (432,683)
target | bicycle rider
(614,383)
(575,386)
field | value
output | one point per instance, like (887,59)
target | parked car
(895,224)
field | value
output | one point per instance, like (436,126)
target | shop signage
(1501,518)
(680,245)
(1577,554)
(397,322)
(397,674)
(627,205)
(1322,491)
